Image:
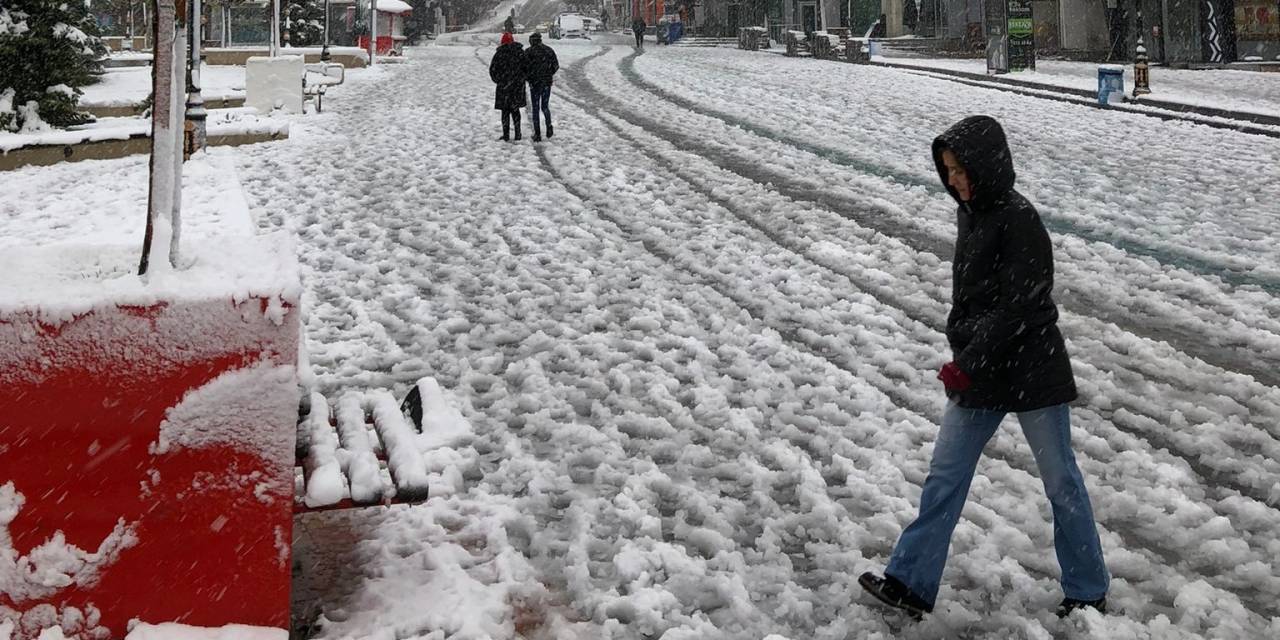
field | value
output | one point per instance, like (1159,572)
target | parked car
(568,25)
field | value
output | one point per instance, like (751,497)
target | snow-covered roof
(394,6)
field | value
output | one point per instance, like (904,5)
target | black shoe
(504,138)
(518,137)
(550,131)
(537,138)
(892,592)
(1071,604)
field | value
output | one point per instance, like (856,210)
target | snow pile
(54,565)
(346,465)
(173,631)
(128,86)
(253,409)
(326,483)
(60,282)
(46,622)
(361,467)
(104,202)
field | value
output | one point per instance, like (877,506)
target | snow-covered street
(696,334)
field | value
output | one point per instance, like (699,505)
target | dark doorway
(809,18)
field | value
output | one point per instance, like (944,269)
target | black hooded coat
(507,72)
(540,63)
(1003,326)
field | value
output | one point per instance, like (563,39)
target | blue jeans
(921,552)
(539,96)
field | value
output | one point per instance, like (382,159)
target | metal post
(324,50)
(196,113)
(1141,66)
(275,28)
(373,32)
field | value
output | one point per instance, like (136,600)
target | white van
(568,25)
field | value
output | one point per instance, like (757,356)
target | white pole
(373,32)
(165,136)
(275,28)
(179,120)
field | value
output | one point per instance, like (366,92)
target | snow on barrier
(274,83)
(373,450)
(147,437)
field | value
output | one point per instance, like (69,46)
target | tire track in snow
(1185,333)
(508,241)
(1218,479)
(1165,255)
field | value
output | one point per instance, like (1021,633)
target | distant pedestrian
(604,20)
(881,28)
(1009,358)
(540,65)
(507,72)
(911,15)
(637,27)
(509,25)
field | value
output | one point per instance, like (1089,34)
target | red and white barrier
(147,437)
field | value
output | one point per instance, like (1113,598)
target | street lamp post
(324,50)
(196,113)
(1141,66)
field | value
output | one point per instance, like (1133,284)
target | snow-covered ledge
(147,434)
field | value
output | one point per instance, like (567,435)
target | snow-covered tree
(48,50)
(303,20)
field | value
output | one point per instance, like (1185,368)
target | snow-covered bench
(368,449)
(318,77)
(286,82)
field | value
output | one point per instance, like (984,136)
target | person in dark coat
(540,66)
(509,25)
(881,28)
(507,72)
(637,27)
(1009,358)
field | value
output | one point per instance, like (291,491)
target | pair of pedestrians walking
(1009,358)
(511,68)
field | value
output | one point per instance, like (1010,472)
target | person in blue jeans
(1009,358)
(541,66)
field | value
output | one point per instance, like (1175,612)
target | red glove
(954,378)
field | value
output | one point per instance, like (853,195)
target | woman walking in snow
(1009,358)
(507,72)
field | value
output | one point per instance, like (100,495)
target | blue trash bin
(1110,84)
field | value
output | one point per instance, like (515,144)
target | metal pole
(275,28)
(196,113)
(324,50)
(373,32)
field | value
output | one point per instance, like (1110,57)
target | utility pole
(196,114)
